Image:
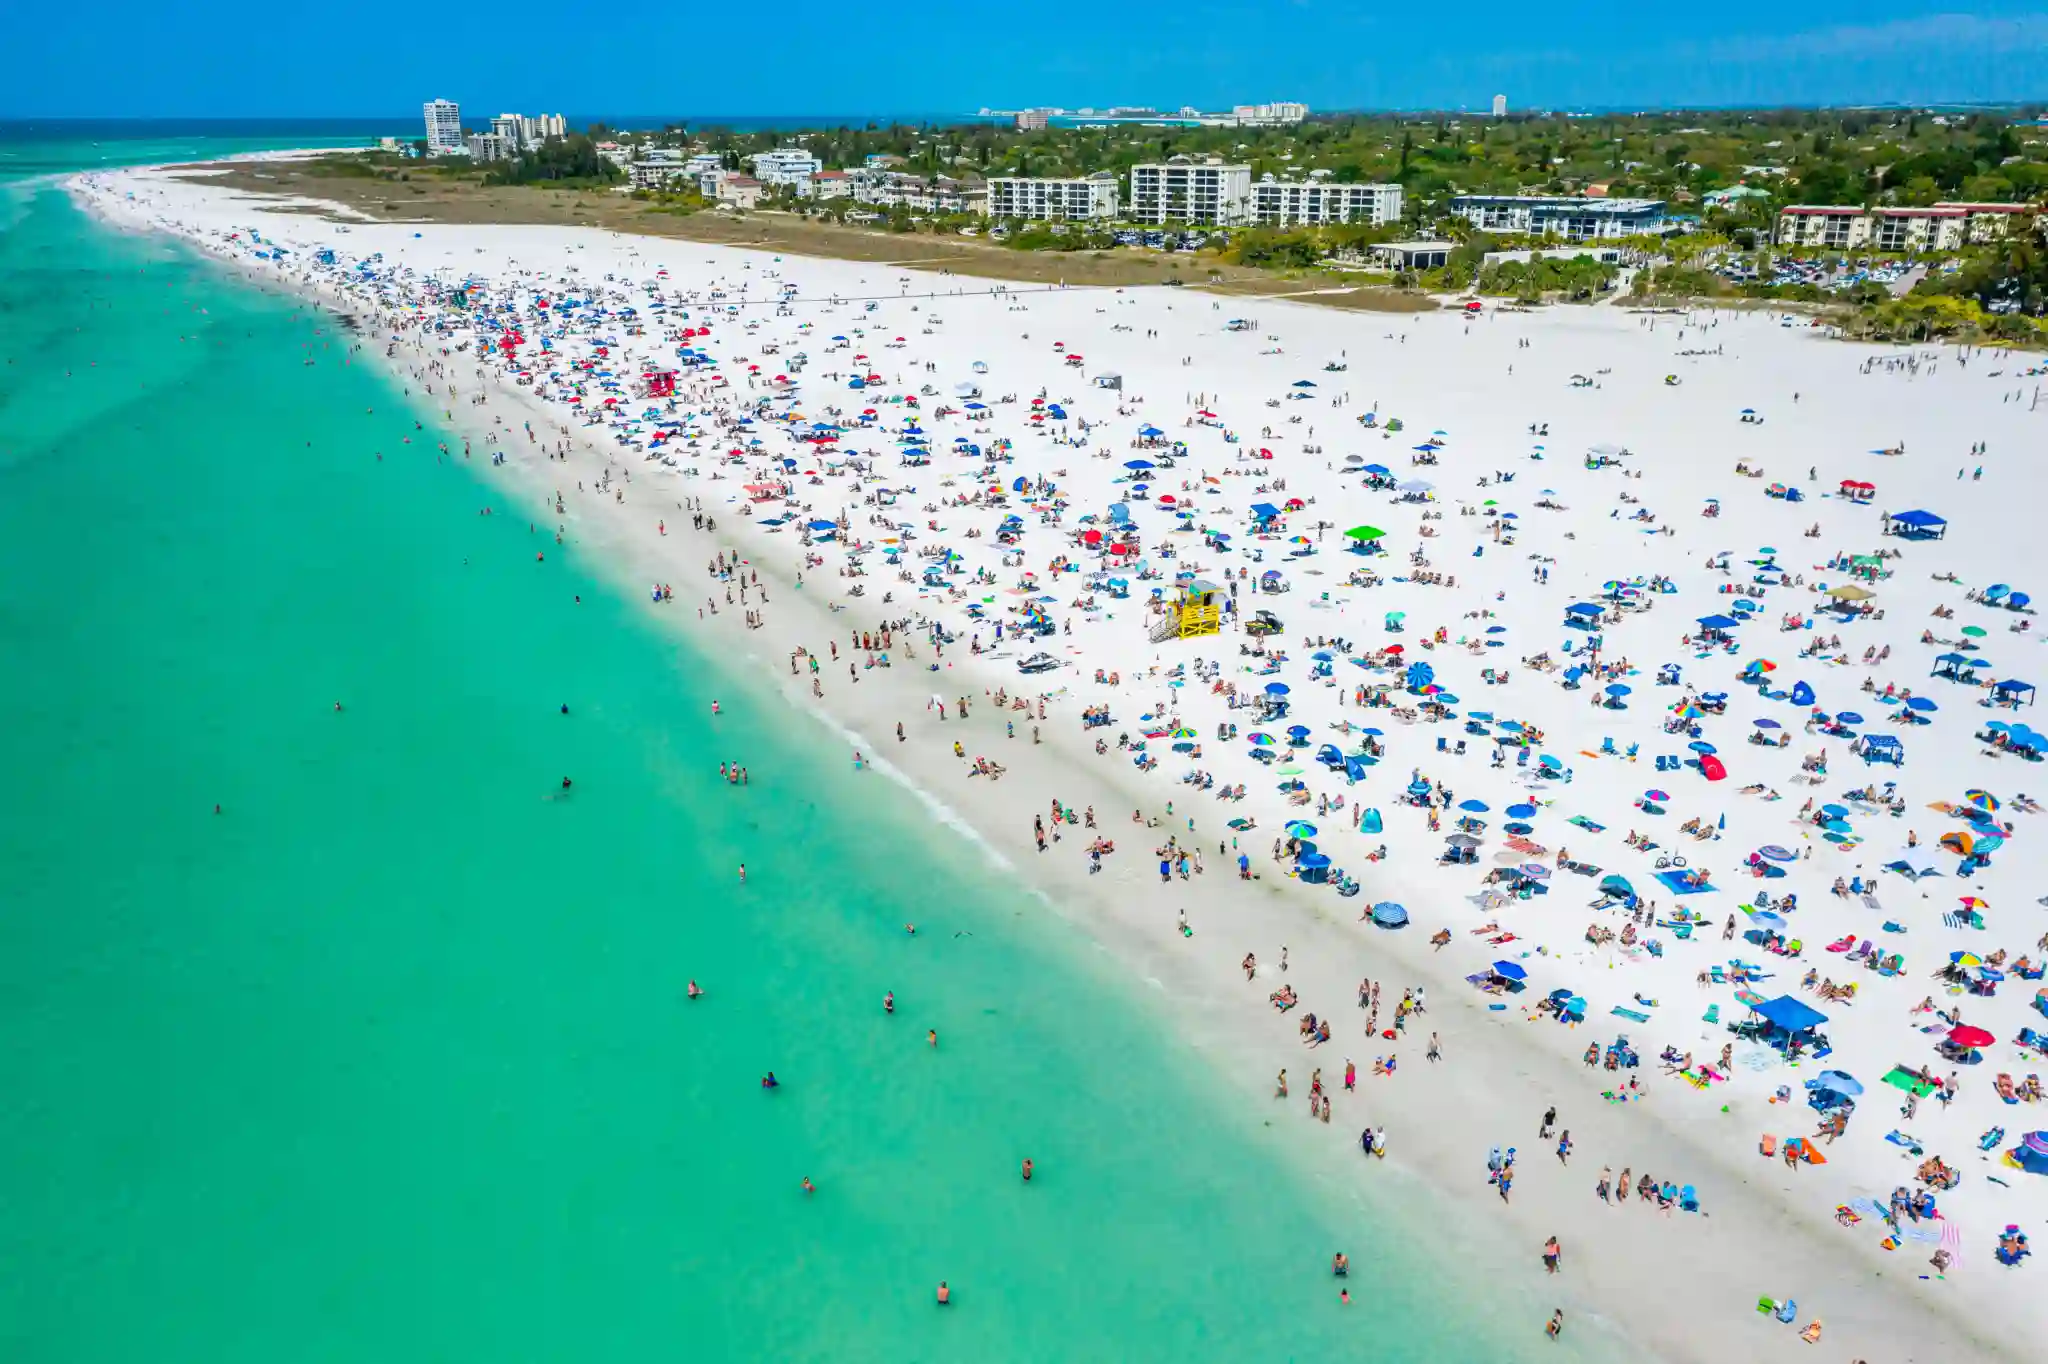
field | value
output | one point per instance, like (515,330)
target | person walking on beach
(1564,1147)
(1551,1255)
(1283,1083)
(1549,1118)
(1556,1324)
(1436,1050)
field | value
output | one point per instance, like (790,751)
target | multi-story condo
(1283,203)
(1578,218)
(1937,227)
(786,166)
(1209,193)
(1280,115)
(1083,199)
(444,127)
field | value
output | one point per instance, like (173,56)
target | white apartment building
(488,147)
(786,166)
(1211,193)
(444,127)
(660,167)
(515,130)
(1033,120)
(1284,203)
(1281,115)
(1090,198)
(1500,106)
(1578,217)
(1939,227)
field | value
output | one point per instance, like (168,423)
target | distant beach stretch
(1584,759)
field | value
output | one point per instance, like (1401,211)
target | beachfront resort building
(1091,198)
(786,166)
(1500,106)
(1936,227)
(943,194)
(1205,193)
(662,168)
(490,146)
(1285,203)
(1577,217)
(444,128)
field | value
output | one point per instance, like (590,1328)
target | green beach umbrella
(1364,533)
(1975,631)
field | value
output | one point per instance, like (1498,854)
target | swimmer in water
(809,1187)
(696,990)
(889,1002)
(932,1037)
(565,708)
(1027,1169)
(566,783)
(946,1295)
(337,705)
(769,1081)
(743,873)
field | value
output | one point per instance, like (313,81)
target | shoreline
(1202,992)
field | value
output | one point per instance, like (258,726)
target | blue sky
(126,58)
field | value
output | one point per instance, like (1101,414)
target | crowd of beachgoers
(1652,691)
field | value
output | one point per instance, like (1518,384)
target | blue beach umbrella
(1521,811)
(1477,807)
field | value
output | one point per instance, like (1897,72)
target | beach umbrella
(1920,703)
(1970,1038)
(1765,920)
(1535,871)
(1619,689)
(1240,823)
(1768,723)
(1477,807)
(1848,717)
(1834,811)
(1276,689)
(1654,794)
(1509,970)
(1519,828)
(1838,1082)
(1259,738)
(1983,800)
(1701,746)
(1975,631)
(1387,914)
(1301,829)
(1972,902)
(1850,592)
(1523,810)
(1773,853)
(1464,841)
(1965,959)
(1364,533)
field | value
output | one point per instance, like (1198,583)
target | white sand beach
(986,496)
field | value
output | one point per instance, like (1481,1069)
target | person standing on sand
(1282,1093)
(1551,1256)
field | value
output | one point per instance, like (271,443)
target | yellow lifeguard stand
(1195,610)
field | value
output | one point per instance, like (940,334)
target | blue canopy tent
(1584,615)
(1918,525)
(1718,625)
(1265,511)
(1884,748)
(2010,690)
(1955,667)
(1788,1021)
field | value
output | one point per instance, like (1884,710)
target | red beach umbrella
(1970,1037)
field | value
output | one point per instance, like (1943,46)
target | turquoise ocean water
(390,1061)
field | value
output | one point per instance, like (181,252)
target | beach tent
(2031,1154)
(2009,691)
(1585,615)
(1919,525)
(1789,1016)
(1718,623)
(1387,914)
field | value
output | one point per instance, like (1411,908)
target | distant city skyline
(1218,53)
